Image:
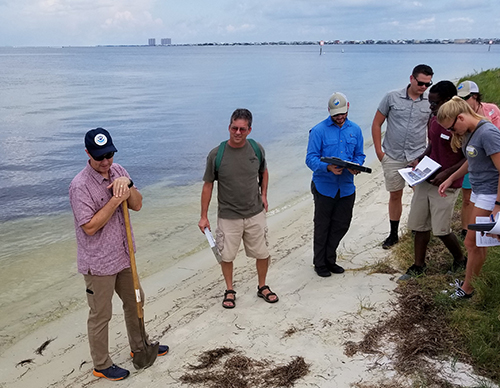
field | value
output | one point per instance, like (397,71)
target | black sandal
(226,299)
(266,296)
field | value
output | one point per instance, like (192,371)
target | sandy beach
(183,309)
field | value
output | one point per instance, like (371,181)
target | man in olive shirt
(407,112)
(242,203)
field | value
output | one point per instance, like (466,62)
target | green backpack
(220,154)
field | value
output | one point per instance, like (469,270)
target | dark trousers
(332,218)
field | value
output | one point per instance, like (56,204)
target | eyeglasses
(434,103)
(421,83)
(241,129)
(109,155)
(452,128)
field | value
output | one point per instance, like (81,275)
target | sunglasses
(421,83)
(109,155)
(452,128)
(241,129)
(467,97)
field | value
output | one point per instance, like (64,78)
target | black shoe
(113,373)
(324,272)
(335,268)
(459,264)
(463,233)
(460,294)
(390,241)
(413,272)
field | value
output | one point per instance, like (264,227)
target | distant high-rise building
(151,42)
(166,41)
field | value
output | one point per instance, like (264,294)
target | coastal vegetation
(428,329)
(489,84)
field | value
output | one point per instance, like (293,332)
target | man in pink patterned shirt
(96,195)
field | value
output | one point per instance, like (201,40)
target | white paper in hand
(211,242)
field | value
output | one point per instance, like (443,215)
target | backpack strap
(256,149)
(218,158)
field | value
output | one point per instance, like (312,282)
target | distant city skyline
(124,22)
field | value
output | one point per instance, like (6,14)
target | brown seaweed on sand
(43,346)
(25,362)
(211,357)
(239,371)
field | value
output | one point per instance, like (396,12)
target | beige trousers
(100,290)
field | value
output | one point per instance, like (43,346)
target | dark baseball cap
(98,142)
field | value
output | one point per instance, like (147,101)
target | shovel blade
(146,357)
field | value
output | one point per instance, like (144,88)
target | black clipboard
(483,227)
(343,163)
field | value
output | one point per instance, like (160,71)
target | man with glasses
(240,168)
(333,186)
(407,113)
(96,195)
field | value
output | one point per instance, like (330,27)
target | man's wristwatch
(497,203)
(130,184)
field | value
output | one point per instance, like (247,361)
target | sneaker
(113,373)
(390,241)
(413,272)
(322,271)
(457,283)
(460,294)
(335,268)
(162,350)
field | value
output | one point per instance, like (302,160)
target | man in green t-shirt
(242,203)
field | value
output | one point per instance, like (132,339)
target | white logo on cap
(336,102)
(100,139)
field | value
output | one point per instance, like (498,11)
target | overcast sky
(95,22)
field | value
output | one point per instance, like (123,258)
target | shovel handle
(133,267)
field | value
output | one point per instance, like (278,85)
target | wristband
(132,183)
(497,203)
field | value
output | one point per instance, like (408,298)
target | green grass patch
(428,324)
(489,84)
(474,322)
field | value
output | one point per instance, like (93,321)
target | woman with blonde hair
(469,91)
(480,143)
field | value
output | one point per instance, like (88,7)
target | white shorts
(483,201)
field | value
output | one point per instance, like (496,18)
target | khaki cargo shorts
(393,179)
(253,232)
(431,211)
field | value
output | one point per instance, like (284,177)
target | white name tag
(470,149)
(445,137)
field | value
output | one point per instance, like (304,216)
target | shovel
(146,357)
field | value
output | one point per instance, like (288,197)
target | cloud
(463,20)
(425,23)
(123,20)
(244,27)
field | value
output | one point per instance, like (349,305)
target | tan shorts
(252,230)
(430,211)
(393,179)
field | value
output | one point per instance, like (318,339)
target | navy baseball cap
(98,142)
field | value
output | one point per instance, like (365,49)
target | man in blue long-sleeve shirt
(332,186)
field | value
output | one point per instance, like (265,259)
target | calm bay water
(166,107)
